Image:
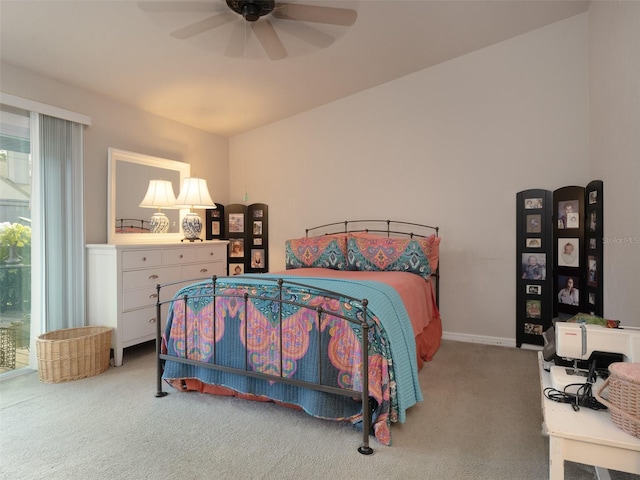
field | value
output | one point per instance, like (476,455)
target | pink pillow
(387,254)
(430,245)
(326,251)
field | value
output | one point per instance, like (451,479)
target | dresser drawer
(139,297)
(139,323)
(146,296)
(178,256)
(211,253)
(149,277)
(141,259)
(203,270)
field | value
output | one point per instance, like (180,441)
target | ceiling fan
(262,16)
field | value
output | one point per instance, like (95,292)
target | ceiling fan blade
(203,25)
(237,40)
(316,14)
(176,6)
(269,39)
(307,33)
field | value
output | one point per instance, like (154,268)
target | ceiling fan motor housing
(252,10)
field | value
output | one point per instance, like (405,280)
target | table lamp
(193,194)
(159,195)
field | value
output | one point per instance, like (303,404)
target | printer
(577,344)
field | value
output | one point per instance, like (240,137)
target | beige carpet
(481,419)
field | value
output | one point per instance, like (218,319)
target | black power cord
(583,397)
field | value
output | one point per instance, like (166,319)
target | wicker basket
(73,353)
(624,396)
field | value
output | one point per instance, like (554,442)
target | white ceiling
(116,49)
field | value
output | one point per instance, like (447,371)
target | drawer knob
(144,259)
(153,277)
(181,256)
(203,270)
(211,254)
(152,320)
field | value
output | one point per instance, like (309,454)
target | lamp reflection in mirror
(193,194)
(159,195)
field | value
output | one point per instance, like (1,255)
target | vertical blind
(60,147)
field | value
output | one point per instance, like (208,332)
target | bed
(340,334)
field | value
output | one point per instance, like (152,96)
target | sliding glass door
(15,238)
(42,264)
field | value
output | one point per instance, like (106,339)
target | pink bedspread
(417,295)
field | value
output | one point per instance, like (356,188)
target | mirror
(129,176)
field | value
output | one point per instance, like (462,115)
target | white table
(587,436)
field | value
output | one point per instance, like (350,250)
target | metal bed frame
(278,286)
(124,223)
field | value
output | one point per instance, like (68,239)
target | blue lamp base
(191,227)
(159,223)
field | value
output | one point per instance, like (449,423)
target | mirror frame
(115,156)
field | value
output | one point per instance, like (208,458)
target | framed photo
(569,293)
(258,214)
(593,217)
(592,298)
(215,213)
(257,227)
(257,241)
(236,222)
(533,243)
(532,203)
(534,289)
(215,227)
(568,214)
(568,252)
(236,268)
(592,277)
(534,223)
(593,197)
(534,266)
(533,328)
(592,243)
(534,308)
(236,248)
(257,258)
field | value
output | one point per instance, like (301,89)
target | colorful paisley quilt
(307,341)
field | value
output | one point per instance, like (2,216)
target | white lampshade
(159,194)
(194,194)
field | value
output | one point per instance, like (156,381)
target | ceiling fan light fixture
(252,10)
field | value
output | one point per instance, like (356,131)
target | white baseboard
(498,341)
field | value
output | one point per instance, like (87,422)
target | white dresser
(122,279)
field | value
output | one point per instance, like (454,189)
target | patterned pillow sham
(376,253)
(326,251)
(430,245)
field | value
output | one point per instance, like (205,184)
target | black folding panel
(559,257)
(534,259)
(568,234)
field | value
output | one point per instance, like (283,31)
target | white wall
(614,94)
(118,126)
(449,146)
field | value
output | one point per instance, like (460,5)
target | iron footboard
(279,286)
